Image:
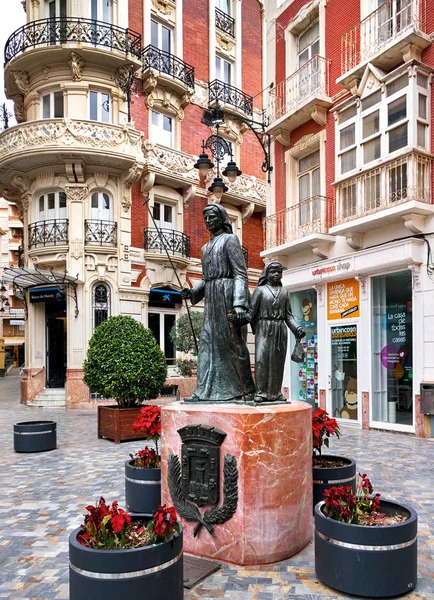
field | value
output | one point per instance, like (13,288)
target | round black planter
(35,436)
(154,572)
(142,489)
(326,477)
(375,562)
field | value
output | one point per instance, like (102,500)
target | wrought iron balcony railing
(175,242)
(168,64)
(402,180)
(390,21)
(53,232)
(224,22)
(223,93)
(64,30)
(310,216)
(310,81)
(100,233)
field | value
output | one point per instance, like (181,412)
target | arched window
(52,205)
(101,207)
(100,304)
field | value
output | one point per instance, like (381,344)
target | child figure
(271,314)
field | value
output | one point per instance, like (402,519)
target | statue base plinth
(273,449)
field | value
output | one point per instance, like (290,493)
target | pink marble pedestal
(272,445)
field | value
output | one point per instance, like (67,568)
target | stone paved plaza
(42,498)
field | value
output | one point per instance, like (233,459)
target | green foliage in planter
(124,362)
(182,336)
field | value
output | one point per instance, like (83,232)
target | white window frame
(101,213)
(162,312)
(220,63)
(51,96)
(160,222)
(103,10)
(160,27)
(158,134)
(58,5)
(101,98)
(225,6)
(49,214)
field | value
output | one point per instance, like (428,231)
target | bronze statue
(271,313)
(223,367)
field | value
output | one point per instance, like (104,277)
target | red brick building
(350,215)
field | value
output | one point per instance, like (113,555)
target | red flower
(323,427)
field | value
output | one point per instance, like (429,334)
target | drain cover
(197,569)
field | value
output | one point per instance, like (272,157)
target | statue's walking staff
(163,243)
(231,325)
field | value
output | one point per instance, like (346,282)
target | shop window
(162,129)
(304,376)
(100,304)
(52,105)
(99,107)
(392,348)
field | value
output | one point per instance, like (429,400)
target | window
(52,105)
(100,304)
(51,205)
(100,10)
(101,207)
(309,186)
(164,215)
(224,5)
(308,44)
(162,129)
(161,36)
(223,70)
(99,107)
(161,323)
(56,8)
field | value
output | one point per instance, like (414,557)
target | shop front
(365,339)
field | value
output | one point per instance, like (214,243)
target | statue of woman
(271,313)
(223,366)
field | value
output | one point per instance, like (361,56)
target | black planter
(375,562)
(35,436)
(142,489)
(152,572)
(326,477)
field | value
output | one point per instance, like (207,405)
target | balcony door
(164,215)
(52,205)
(393,16)
(309,188)
(100,10)
(101,207)
(308,48)
(161,38)
(56,10)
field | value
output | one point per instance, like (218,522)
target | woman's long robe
(271,313)
(223,358)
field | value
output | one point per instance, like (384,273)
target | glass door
(161,323)
(343,378)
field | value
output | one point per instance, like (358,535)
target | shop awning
(23,279)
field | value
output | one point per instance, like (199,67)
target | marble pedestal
(273,449)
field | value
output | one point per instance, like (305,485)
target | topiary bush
(124,362)
(182,336)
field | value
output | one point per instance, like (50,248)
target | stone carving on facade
(126,203)
(225,42)
(170,102)
(188,195)
(46,71)
(247,187)
(77,248)
(76,63)
(22,81)
(111,263)
(76,193)
(133,174)
(150,81)
(164,7)
(247,212)
(101,179)
(23,4)
(35,3)
(20,113)
(171,161)
(231,129)
(70,133)
(200,95)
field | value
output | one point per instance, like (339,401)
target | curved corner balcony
(62,34)
(36,144)
(171,71)
(176,243)
(52,232)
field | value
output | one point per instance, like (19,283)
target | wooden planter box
(116,423)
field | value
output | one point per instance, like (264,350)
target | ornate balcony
(304,225)
(53,232)
(396,31)
(224,22)
(25,45)
(397,190)
(304,95)
(100,233)
(162,69)
(229,97)
(175,242)
(30,145)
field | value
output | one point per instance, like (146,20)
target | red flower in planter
(149,423)
(146,459)
(341,504)
(323,427)
(165,522)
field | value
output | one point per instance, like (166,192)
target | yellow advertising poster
(343,298)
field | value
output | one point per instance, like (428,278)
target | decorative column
(76,391)
(238,45)
(212,35)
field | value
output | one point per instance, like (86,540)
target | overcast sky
(12,17)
